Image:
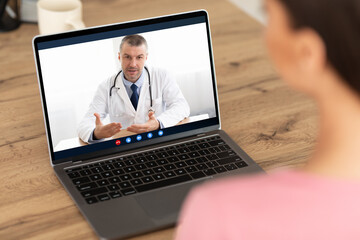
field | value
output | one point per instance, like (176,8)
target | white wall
(72,73)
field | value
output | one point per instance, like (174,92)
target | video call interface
(111,89)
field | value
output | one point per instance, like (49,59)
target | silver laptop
(134,179)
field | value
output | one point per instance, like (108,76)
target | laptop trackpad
(164,205)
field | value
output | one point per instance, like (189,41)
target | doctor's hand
(105,131)
(150,125)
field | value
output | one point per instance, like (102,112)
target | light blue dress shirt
(128,84)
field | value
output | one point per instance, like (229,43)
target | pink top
(283,205)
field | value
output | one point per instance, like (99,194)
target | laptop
(134,183)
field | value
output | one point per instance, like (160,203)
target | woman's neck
(337,153)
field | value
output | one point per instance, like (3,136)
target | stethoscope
(148,73)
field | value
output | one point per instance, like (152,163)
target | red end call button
(117,142)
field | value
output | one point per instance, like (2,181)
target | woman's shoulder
(272,206)
(279,186)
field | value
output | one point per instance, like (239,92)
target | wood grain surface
(274,125)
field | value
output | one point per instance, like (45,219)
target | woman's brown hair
(338,24)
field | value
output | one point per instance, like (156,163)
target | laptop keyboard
(153,169)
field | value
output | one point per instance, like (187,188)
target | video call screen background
(72,73)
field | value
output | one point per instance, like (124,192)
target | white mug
(59,15)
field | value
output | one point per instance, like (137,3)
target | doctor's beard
(132,74)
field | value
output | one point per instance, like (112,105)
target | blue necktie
(135,96)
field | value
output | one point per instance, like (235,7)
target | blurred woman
(315,46)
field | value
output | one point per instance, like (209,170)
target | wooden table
(273,124)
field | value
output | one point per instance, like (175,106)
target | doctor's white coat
(168,102)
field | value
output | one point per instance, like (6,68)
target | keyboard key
(212,164)
(140,166)
(110,161)
(217,149)
(136,182)
(108,167)
(148,172)
(201,166)
(74,174)
(184,157)
(211,150)
(191,162)
(85,172)
(224,147)
(183,150)
(201,159)
(82,180)
(95,177)
(220,169)
(169,167)
(191,169)
(151,157)
(204,145)
(180,171)
(106,174)
(114,180)
(97,170)
(158,176)
(91,200)
(209,172)
(115,194)
(173,152)
(124,185)
(128,191)
(86,186)
(94,192)
(241,164)
(172,159)
(230,167)
(130,162)
(113,187)
(180,164)
(103,197)
(169,174)
(228,160)
(103,182)
(151,164)
(141,159)
(125,177)
(162,155)
(159,169)
(129,169)
(196,175)
(162,162)
(226,154)
(203,152)
(119,165)
(193,148)
(118,172)
(212,157)
(216,142)
(163,183)
(147,179)
(137,174)
(194,154)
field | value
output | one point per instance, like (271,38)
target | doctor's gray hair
(134,40)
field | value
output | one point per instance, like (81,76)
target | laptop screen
(117,87)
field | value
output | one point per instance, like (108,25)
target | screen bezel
(189,129)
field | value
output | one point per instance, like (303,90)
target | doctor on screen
(138,98)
